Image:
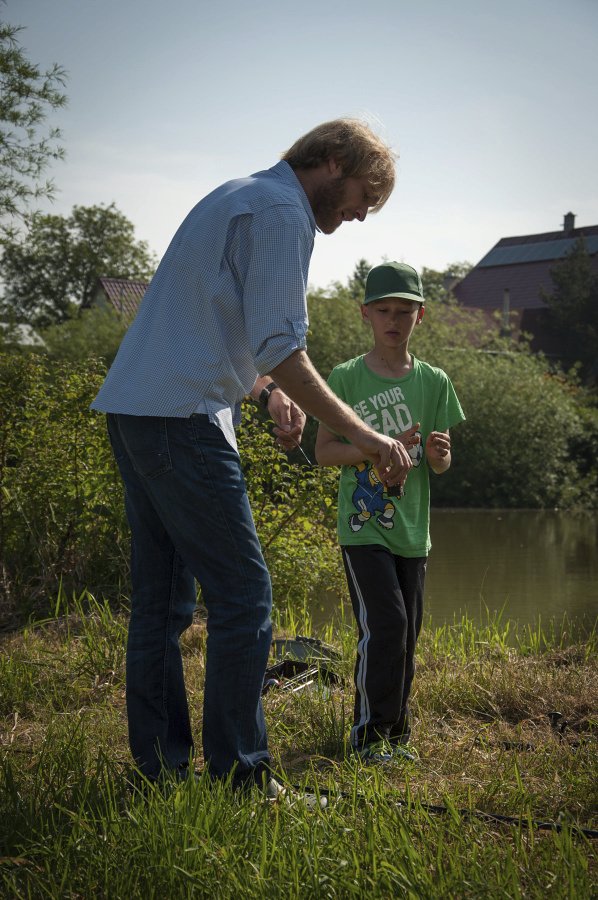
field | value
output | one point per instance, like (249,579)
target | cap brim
(401,295)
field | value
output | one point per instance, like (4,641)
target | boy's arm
(330,451)
(438,451)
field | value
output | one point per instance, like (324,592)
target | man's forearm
(299,379)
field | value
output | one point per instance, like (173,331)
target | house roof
(124,295)
(522,266)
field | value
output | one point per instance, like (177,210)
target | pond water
(528,563)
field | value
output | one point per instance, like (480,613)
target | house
(120,294)
(510,279)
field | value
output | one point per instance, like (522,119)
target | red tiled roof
(125,296)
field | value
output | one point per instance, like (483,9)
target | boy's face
(392,320)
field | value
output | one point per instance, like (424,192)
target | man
(225,316)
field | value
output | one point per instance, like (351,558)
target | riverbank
(495,806)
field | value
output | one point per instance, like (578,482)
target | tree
(50,273)
(27,94)
(438,286)
(336,329)
(573,306)
(356,283)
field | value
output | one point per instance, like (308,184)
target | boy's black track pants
(387,594)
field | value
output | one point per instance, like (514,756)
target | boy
(384,533)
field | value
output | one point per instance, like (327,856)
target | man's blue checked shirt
(228,301)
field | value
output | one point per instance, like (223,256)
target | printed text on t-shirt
(389,415)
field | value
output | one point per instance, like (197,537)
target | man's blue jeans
(190,519)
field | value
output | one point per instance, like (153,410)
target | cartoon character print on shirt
(417,451)
(369,497)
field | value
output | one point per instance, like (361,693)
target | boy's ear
(420,314)
(364,312)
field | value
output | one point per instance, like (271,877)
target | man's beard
(327,203)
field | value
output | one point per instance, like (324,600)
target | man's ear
(364,312)
(420,315)
(334,168)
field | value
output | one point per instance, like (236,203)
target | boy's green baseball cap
(393,279)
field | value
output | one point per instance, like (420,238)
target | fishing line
(301,450)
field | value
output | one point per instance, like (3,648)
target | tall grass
(70,826)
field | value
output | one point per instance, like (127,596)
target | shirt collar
(284,171)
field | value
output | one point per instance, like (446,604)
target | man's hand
(289,419)
(389,457)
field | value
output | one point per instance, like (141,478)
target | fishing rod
(438,809)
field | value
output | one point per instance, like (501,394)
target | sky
(492,106)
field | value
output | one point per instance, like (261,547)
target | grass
(69,827)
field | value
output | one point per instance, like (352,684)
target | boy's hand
(289,419)
(438,451)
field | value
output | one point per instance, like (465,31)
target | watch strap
(265,393)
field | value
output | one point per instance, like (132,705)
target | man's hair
(355,148)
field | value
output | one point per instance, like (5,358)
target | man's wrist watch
(265,393)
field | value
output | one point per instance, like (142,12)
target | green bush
(61,516)
(93,332)
(527,439)
(294,507)
(336,329)
(62,521)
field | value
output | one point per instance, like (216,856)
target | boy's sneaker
(384,752)
(277,793)
(377,753)
(402,753)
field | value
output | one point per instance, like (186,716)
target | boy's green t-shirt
(366,514)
